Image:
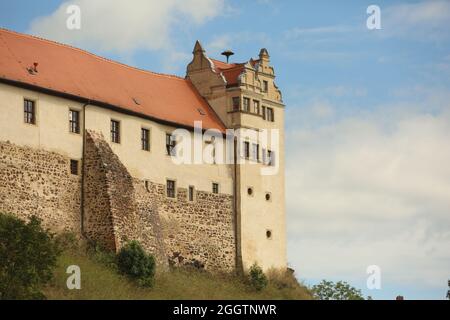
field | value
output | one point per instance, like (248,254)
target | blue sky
(368,116)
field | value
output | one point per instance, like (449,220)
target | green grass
(99,280)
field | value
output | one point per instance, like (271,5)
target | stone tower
(245,97)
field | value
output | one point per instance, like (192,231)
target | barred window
(115,131)
(145,139)
(171,188)
(74,121)
(215,187)
(29,110)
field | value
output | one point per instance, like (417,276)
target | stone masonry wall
(120,208)
(37,182)
(117,207)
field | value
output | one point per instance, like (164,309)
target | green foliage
(135,263)
(28,255)
(257,277)
(328,290)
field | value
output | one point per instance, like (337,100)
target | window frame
(73,163)
(246,104)
(74,125)
(247,149)
(265,86)
(173,191)
(170,144)
(145,143)
(264,116)
(215,188)
(26,112)
(270,114)
(236,107)
(256,106)
(191,194)
(115,131)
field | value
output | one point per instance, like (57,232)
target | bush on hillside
(257,277)
(133,261)
(28,255)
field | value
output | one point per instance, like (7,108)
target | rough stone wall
(118,207)
(37,182)
(199,233)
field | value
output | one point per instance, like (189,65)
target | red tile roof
(75,72)
(231,71)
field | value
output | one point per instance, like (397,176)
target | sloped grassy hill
(99,280)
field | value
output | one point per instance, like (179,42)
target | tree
(328,290)
(28,255)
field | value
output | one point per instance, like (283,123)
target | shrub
(135,263)
(28,255)
(257,277)
(328,290)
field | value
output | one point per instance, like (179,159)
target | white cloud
(126,26)
(426,19)
(372,188)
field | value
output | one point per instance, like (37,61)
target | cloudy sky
(368,129)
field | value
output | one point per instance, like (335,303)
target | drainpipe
(83,168)
(237,216)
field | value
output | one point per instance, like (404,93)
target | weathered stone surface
(36,182)
(118,207)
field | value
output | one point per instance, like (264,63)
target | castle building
(87,145)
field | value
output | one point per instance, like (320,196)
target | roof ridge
(92,54)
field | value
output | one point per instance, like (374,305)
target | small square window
(171,188)
(74,167)
(215,188)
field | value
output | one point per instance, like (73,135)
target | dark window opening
(147,185)
(270,158)
(255,151)
(246,149)
(74,121)
(74,167)
(145,139)
(268,196)
(171,188)
(115,131)
(269,234)
(215,188)
(29,110)
(191,193)
(250,191)
(264,112)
